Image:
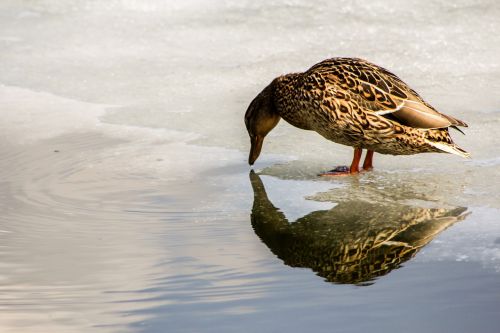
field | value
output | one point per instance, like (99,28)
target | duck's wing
(379,91)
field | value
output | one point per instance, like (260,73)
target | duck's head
(261,117)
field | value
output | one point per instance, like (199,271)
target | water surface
(127,204)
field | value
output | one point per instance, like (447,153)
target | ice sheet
(124,154)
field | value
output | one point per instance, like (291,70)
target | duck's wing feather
(379,91)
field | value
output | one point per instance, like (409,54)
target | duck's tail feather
(449,148)
(458,129)
(440,139)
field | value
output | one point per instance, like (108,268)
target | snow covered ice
(124,186)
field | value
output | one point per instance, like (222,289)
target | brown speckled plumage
(356,103)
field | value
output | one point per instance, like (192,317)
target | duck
(352,102)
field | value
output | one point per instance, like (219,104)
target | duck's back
(354,102)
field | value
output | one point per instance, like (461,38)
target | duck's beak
(256,142)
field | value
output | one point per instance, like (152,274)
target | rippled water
(127,203)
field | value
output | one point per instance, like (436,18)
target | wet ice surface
(127,203)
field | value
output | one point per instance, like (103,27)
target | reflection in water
(355,241)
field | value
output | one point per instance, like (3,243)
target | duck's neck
(285,88)
(288,80)
(287,97)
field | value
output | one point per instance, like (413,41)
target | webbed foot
(342,170)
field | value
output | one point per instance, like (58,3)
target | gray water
(127,204)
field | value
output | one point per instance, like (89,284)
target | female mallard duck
(356,103)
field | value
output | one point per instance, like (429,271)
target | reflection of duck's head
(353,242)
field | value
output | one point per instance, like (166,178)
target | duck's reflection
(355,241)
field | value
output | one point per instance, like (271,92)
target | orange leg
(344,170)
(368,163)
(355,160)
